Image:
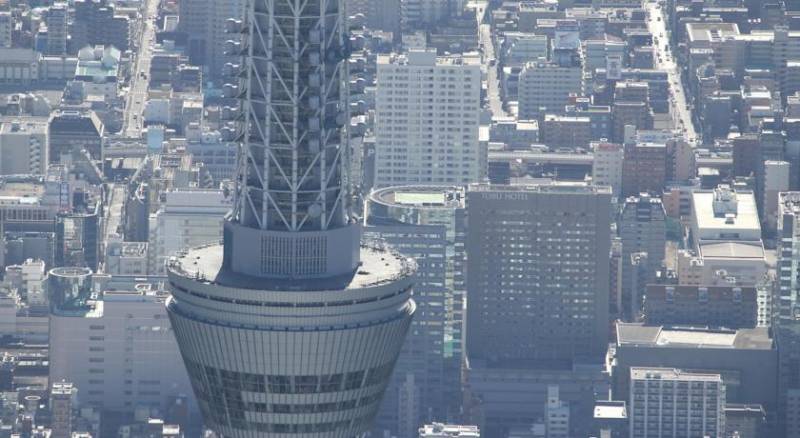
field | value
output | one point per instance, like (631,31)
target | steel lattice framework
(295,117)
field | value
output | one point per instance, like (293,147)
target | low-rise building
(187,218)
(110,346)
(667,402)
(746,358)
(716,306)
(98,71)
(24,146)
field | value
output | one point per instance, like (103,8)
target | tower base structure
(300,358)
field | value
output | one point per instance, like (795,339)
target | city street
(681,115)
(137,94)
(493,81)
(488,53)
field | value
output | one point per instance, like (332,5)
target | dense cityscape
(400,218)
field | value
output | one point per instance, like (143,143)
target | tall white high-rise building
(292,326)
(666,402)
(187,218)
(427,119)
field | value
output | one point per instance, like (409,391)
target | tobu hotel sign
(505,196)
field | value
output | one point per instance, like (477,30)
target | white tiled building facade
(427,119)
(188,218)
(120,351)
(666,402)
(546,86)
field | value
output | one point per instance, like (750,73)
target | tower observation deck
(291,326)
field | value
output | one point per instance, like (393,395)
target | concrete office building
(78,237)
(292,325)
(517,48)
(566,131)
(691,305)
(519,341)
(125,258)
(642,228)
(746,358)
(556,414)
(61,395)
(97,22)
(70,131)
(644,168)
(777,176)
(600,117)
(545,88)
(204,22)
(788,289)
(625,114)
(427,117)
(607,166)
(488,391)
(187,218)
(427,224)
(109,347)
(380,14)
(30,281)
(748,421)
(610,419)
(416,14)
(557,230)
(785,321)
(57,31)
(24,146)
(217,155)
(726,239)
(667,402)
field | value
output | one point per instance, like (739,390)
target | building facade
(204,22)
(427,224)
(607,166)
(644,168)
(545,88)
(24,146)
(642,228)
(187,218)
(715,306)
(110,346)
(528,249)
(57,31)
(671,403)
(427,117)
(72,131)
